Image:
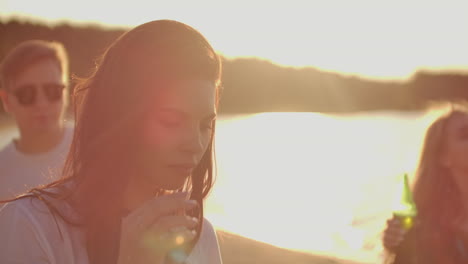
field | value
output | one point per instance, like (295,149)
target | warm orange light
(312,181)
(179,240)
(362,37)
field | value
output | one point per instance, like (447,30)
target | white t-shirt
(29,233)
(20,172)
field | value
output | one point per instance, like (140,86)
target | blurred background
(322,109)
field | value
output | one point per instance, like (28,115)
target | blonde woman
(441,196)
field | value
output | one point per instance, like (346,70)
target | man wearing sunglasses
(34,78)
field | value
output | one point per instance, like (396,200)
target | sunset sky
(373,38)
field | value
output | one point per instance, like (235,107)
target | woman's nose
(193,141)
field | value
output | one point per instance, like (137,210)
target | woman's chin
(173,183)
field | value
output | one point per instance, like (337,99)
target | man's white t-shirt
(20,172)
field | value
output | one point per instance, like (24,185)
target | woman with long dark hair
(140,164)
(440,234)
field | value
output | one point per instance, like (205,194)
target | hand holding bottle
(393,234)
(404,217)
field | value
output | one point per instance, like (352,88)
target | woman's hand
(393,234)
(155,228)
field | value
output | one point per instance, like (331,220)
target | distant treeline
(253,85)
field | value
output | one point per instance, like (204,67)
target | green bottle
(405,208)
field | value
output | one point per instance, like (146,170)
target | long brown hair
(436,193)
(108,105)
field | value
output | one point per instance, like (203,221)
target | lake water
(309,181)
(314,182)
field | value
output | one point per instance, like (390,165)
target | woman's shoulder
(36,210)
(207,225)
(207,248)
(208,233)
(20,232)
(25,212)
(22,220)
(25,206)
(30,233)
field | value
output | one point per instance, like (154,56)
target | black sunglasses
(27,94)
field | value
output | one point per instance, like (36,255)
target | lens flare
(179,240)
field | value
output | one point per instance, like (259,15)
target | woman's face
(176,132)
(456,148)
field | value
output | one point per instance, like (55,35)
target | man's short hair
(29,52)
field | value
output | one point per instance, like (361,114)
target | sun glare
(304,181)
(328,181)
(363,37)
